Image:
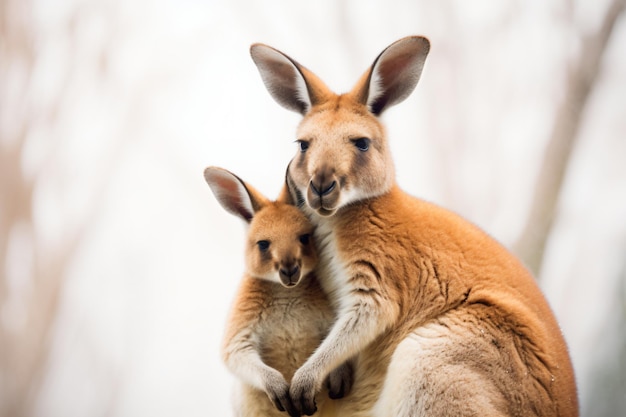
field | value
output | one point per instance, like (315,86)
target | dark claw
(285,404)
(291,409)
(310,408)
(340,381)
(306,407)
(335,394)
(302,392)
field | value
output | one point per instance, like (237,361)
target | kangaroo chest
(331,270)
(293,324)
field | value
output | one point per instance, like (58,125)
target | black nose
(290,275)
(289,272)
(323,189)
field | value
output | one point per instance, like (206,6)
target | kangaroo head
(343,155)
(279,244)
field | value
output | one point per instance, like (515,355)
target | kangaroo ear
(285,196)
(393,75)
(233,194)
(292,85)
(289,194)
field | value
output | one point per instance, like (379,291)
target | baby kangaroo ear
(292,85)
(393,75)
(233,194)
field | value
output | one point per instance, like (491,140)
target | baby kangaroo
(280,314)
(443,320)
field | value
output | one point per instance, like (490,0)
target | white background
(161,89)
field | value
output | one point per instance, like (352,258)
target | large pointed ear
(233,194)
(292,85)
(393,75)
(289,194)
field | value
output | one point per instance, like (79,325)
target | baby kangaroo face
(279,247)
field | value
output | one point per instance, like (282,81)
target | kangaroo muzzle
(290,274)
(323,193)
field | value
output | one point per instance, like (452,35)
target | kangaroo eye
(362,144)
(304,145)
(304,239)
(263,245)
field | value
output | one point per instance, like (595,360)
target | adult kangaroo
(441,319)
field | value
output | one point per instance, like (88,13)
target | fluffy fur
(280,313)
(443,320)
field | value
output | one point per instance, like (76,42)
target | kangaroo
(442,319)
(280,313)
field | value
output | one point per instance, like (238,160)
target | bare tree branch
(580,83)
(25,343)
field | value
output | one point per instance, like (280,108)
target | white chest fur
(331,270)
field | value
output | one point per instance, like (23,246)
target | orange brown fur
(280,313)
(443,320)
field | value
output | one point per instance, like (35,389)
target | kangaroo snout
(322,189)
(289,274)
(323,193)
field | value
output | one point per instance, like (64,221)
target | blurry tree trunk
(580,82)
(22,332)
(30,284)
(31,273)
(33,265)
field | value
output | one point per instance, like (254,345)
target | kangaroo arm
(367,313)
(242,358)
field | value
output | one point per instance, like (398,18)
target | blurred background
(117,266)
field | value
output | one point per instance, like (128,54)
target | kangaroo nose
(323,189)
(290,271)
(289,275)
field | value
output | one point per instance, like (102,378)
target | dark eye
(362,144)
(304,145)
(304,239)
(263,245)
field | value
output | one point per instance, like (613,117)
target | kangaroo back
(443,319)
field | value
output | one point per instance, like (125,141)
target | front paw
(277,389)
(340,381)
(302,392)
